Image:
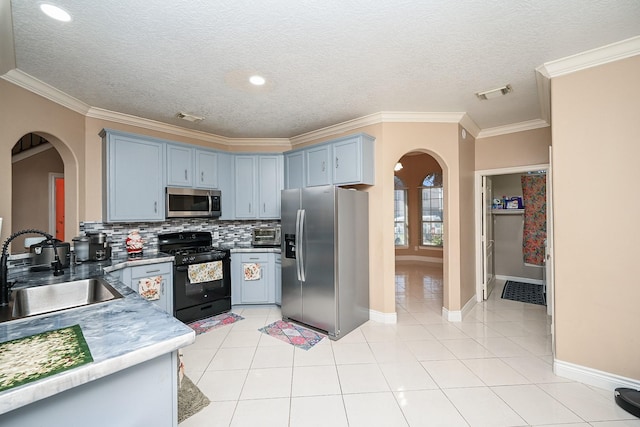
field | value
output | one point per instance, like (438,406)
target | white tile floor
(492,369)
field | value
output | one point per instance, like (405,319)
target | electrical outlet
(216,235)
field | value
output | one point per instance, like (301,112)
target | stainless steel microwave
(192,203)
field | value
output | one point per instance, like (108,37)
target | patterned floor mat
(214,322)
(293,334)
(524,292)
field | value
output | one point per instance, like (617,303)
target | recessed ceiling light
(494,93)
(55,12)
(257,80)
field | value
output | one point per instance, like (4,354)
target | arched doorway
(37,180)
(418,227)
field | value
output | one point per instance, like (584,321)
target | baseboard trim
(520,279)
(594,377)
(458,315)
(380,317)
(419,258)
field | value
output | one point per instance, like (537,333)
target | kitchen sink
(44,299)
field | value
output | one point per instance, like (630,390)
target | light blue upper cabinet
(294,169)
(270,186)
(343,161)
(245,183)
(179,166)
(258,182)
(353,160)
(134,178)
(189,167)
(206,169)
(317,164)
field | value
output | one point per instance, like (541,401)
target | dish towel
(149,288)
(252,271)
(205,272)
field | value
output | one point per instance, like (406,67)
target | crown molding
(512,128)
(471,126)
(591,58)
(30,83)
(127,119)
(385,117)
(543,84)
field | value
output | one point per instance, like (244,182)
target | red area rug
(214,322)
(293,334)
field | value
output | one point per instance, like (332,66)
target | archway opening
(419,236)
(37,188)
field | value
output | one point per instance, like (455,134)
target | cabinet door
(347,162)
(294,170)
(318,165)
(270,186)
(206,169)
(256,279)
(245,194)
(226,175)
(278,279)
(179,166)
(135,179)
(164,271)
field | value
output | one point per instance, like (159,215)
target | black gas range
(201,275)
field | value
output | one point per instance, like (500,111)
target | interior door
(549,270)
(488,276)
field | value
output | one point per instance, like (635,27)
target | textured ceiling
(325,62)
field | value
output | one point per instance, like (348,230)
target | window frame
(399,186)
(432,181)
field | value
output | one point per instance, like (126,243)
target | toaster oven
(265,236)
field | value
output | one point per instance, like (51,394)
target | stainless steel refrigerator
(325,258)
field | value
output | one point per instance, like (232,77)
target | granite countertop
(120,333)
(244,249)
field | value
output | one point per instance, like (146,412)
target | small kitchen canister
(134,244)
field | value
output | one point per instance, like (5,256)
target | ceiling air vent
(494,93)
(189,117)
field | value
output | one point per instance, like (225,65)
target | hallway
(492,369)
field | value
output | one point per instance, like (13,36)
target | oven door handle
(182,268)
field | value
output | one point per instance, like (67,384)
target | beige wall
(30,192)
(596,205)
(415,169)
(529,147)
(22,112)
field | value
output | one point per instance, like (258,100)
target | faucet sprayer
(5,286)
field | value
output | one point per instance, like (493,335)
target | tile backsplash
(228,232)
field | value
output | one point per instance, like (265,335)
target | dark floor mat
(524,292)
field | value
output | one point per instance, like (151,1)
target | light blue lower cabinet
(278,278)
(145,394)
(159,275)
(253,278)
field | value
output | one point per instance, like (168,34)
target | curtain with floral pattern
(534,197)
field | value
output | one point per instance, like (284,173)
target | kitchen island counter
(120,334)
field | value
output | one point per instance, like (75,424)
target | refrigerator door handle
(299,250)
(297,244)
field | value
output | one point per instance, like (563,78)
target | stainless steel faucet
(5,286)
